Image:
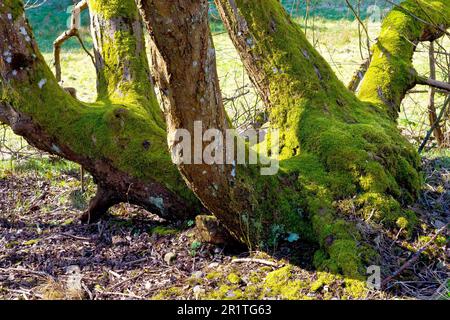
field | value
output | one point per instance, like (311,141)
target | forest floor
(46,253)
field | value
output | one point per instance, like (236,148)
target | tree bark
(339,155)
(432,115)
(120,139)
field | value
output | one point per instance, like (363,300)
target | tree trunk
(120,139)
(339,155)
(391,73)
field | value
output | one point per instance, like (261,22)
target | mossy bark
(391,73)
(120,139)
(339,155)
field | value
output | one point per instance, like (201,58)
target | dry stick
(21,270)
(432,107)
(426,91)
(415,256)
(359,32)
(72,32)
(434,126)
(126,295)
(434,83)
(74,237)
(135,262)
(361,23)
(307,16)
(85,287)
(126,280)
(358,76)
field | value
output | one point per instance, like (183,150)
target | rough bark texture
(339,155)
(120,139)
(185,65)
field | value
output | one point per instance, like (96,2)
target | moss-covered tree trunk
(341,157)
(121,138)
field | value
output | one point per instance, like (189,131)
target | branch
(33,4)
(435,125)
(361,23)
(403,9)
(391,73)
(259,261)
(66,35)
(434,83)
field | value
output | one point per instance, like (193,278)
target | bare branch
(434,83)
(435,125)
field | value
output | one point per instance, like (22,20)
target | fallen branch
(127,280)
(127,295)
(75,237)
(414,257)
(135,262)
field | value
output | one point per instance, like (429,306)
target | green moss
(226,292)
(214,275)
(402,223)
(355,289)
(435,248)
(254,277)
(15,8)
(233,278)
(323,279)
(391,72)
(31,242)
(441,241)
